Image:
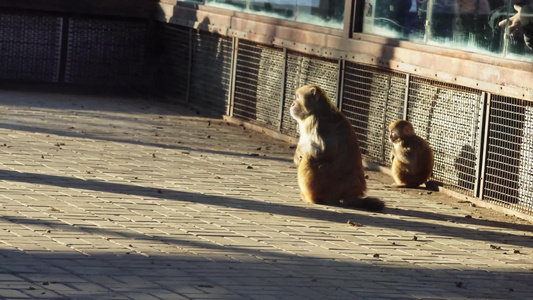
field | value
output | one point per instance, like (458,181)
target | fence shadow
(289,210)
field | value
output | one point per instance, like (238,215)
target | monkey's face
(400,129)
(298,111)
(309,100)
(393,136)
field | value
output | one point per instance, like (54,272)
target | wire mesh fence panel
(303,69)
(449,117)
(106,52)
(258,84)
(508,178)
(169,65)
(372,99)
(30,46)
(292,82)
(394,109)
(211,71)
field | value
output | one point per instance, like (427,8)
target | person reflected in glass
(520,25)
(391,14)
(471,25)
(461,23)
(442,22)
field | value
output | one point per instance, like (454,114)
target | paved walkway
(121,198)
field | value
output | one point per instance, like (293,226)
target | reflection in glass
(518,27)
(238,5)
(328,13)
(321,12)
(463,24)
(403,19)
(502,27)
(283,9)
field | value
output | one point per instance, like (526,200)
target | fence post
(231,93)
(384,125)
(283,87)
(63,49)
(340,92)
(406,97)
(481,145)
(189,70)
(483,149)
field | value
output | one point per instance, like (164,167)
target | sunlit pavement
(124,198)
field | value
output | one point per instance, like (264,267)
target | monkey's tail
(368,203)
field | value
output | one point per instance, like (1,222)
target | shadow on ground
(195,268)
(288,210)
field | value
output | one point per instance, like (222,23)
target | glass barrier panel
(327,13)
(237,5)
(281,9)
(401,19)
(466,24)
(321,12)
(501,27)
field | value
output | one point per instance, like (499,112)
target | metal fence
(258,84)
(449,117)
(105,52)
(30,46)
(508,169)
(210,71)
(265,81)
(168,68)
(372,99)
(58,48)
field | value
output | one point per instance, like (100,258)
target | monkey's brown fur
(330,169)
(411,156)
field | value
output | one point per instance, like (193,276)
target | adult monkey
(411,155)
(330,169)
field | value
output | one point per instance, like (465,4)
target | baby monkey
(411,155)
(330,169)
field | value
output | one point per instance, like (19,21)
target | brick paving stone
(13,294)
(126,198)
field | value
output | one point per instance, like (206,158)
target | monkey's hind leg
(310,195)
(307,198)
(402,177)
(317,199)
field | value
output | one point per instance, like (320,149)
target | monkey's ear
(408,130)
(313,91)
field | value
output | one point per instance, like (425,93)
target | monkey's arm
(404,152)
